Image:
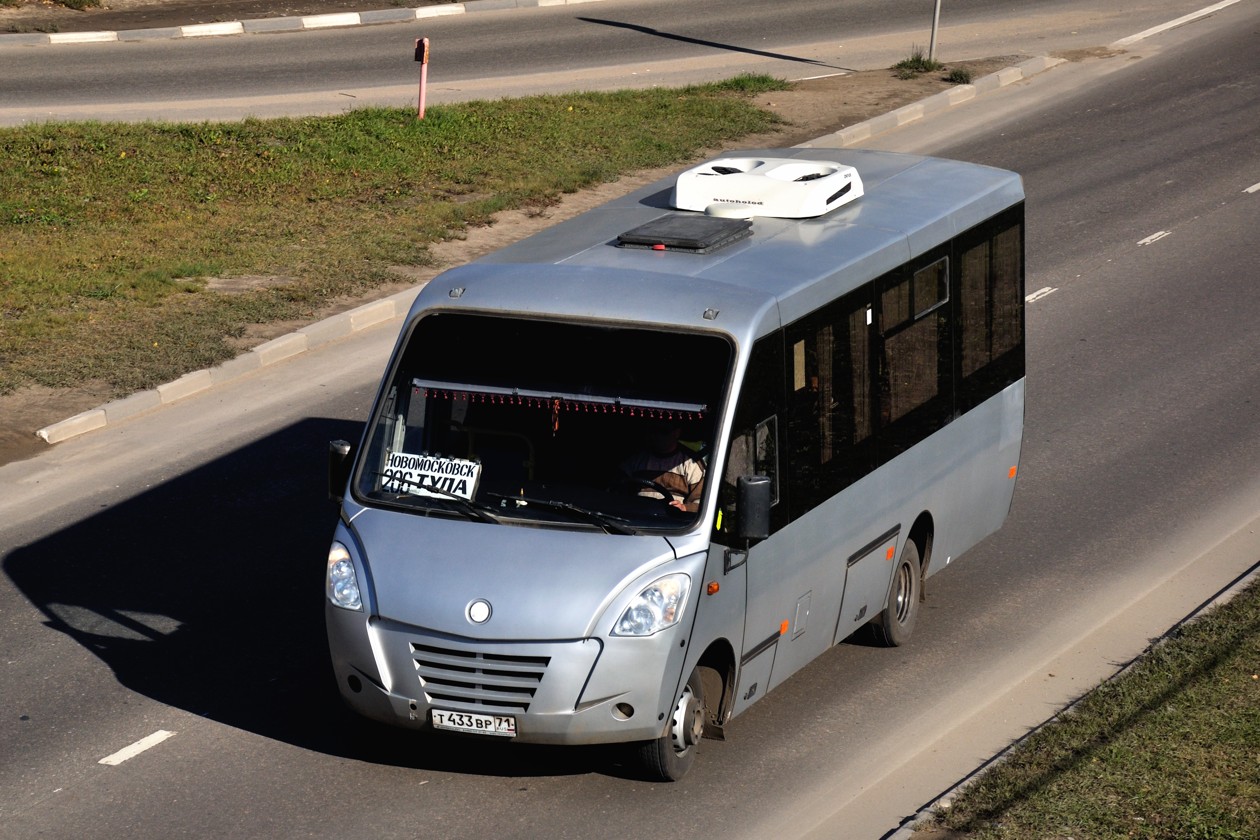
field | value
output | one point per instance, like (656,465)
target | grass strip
(1168,749)
(113,235)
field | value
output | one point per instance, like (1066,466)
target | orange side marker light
(1011,474)
(783,628)
(713,587)
(892,549)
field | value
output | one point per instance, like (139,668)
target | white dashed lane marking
(135,749)
(1154,237)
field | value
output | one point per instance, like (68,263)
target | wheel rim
(687,724)
(905,592)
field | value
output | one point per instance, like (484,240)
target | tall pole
(936,22)
(422,56)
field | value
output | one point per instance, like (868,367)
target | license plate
(502,725)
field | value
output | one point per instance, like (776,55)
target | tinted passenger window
(916,363)
(830,413)
(991,309)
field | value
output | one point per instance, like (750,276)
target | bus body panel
(585,292)
(976,497)
(838,558)
(552,584)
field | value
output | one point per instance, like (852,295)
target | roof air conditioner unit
(779,187)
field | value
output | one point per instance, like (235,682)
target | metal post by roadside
(422,56)
(936,22)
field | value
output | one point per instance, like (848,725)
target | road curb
(933,104)
(923,817)
(280,24)
(264,355)
(340,326)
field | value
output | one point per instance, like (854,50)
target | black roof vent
(694,234)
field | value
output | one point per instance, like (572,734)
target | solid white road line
(1164,27)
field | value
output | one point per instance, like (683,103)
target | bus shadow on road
(205,593)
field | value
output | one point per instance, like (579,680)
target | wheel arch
(922,534)
(717,673)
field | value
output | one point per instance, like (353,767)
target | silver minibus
(626,476)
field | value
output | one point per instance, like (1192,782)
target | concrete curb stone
(138,403)
(185,386)
(936,102)
(81,423)
(161,33)
(281,24)
(209,30)
(232,368)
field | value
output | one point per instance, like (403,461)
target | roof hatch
(784,188)
(695,234)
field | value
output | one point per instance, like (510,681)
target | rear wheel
(895,624)
(669,757)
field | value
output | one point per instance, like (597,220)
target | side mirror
(340,460)
(752,493)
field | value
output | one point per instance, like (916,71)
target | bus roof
(577,268)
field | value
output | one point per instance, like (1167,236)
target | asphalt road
(163,575)
(509,52)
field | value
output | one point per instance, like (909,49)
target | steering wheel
(667,495)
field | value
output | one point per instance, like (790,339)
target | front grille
(472,679)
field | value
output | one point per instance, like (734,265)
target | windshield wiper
(470,509)
(608,523)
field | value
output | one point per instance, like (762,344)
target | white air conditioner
(778,187)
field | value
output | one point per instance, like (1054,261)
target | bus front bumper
(583,691)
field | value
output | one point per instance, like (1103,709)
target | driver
(665,462)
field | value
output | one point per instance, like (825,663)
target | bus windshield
(522,421)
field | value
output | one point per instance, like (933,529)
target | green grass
(1169,749)
(917,64)
(109,232)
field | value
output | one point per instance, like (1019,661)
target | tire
(895,624)
(668,758)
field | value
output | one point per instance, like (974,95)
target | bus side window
(916,347)
(753,451)
(829,421)
(991,309)
(765,453)
(754,443)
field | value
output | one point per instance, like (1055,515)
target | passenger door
(753,449)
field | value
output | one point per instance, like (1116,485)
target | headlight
(657,607)
(343,583)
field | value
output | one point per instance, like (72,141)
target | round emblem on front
(479,612)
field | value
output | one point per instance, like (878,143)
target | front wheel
(668,758)
(895,624)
